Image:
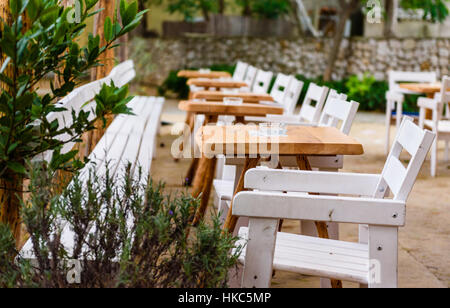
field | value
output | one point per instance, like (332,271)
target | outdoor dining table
(430,89)
(246,97)
(298,142)
(202,167)
(200,74)
(216,83)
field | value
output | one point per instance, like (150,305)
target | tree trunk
(391,18)
(107,61)
(247,9)
(10,183)
(346,10)
(221,7)
(205,13)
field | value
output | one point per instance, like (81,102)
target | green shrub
(125,234)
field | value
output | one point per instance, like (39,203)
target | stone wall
(302,56)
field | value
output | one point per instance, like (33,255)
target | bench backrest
(82,98)
(239,71)
(313,103)
(396,77)
(262,82)
(395,176)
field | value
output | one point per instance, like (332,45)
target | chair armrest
(427,103)
(312,182)
(276,205)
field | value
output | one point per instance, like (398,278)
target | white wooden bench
(129,138)
(372,261)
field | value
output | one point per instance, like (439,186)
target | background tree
(433,10)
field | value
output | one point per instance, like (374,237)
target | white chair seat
(443,126)
(317,257)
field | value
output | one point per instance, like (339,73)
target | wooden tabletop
(199,74)
(299,140)
(219,108)
(247,97)
(426,88)
(216,83)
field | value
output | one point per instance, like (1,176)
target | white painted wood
(397,77)
(262,82)
(280,87)
(312,181)
(378,241)
(260,250)
(337,110)
(292,95)
(240,71)
(394,101)
(440,124)
(250,76)
(320,208)
(316,257)
(129,138)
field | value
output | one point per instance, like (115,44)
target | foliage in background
(272,9)
(189,8)
(434,10)
(126,233)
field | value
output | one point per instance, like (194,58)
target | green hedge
(370,93)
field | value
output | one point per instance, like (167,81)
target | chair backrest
(123,73)
(338,110)
(313,103)
(250,75)
(262,82)
(280,87)
(445,92)
(292,95)
(395,176)
(239,71)
(393,98)
(82,98)
(396,77)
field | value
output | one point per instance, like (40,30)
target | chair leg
(388,132)
(259,255)
(446,150)
(434,158)
(383,257)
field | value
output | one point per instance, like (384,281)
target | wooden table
(216,83)
(201,167)
(199,74)
(246,97)
(430,89)
(300,142)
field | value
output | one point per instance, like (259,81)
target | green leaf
(16,167)
(108,29)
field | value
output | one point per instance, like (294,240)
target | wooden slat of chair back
(398,178)
(309,112)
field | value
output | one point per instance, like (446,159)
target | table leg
(322,230)
(429,112)
(230,222)
(208,178)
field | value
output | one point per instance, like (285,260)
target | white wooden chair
(310,111)
(440,124)
(249,78)
(239,71)
(129,138)
(395,101)
(262,82)
(372,261)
